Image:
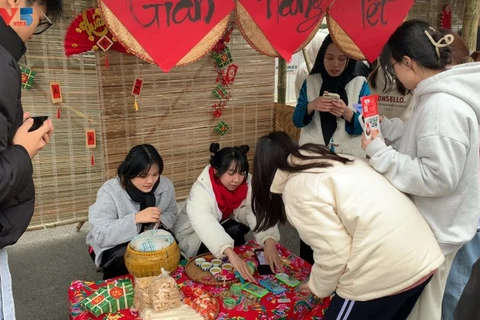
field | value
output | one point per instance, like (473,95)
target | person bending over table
(371,245)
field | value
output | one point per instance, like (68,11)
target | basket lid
(152,240)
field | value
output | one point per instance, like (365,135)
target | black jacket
(17,192)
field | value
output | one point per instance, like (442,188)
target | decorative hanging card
(88,32)
(287,25)
(167,33)
(56,92)
(370,23)
(137,87)
(91,139)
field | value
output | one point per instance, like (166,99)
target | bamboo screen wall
(174,115)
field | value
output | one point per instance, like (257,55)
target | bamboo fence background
(174,115)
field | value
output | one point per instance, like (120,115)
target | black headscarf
(332,85)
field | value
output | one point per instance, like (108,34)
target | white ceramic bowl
(199,261)
(206,266)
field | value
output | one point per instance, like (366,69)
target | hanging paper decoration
(136,90)
(226,73)
(221,128)
(168,33)
(220,92)
(280,28)
(88,32)
(28,77)
(56,92)
(366,20)
(223,58)
(90,139)
(446,17)
(230,75)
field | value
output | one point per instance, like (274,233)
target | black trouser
(395,307)
(113,262)
(234,229)
(306,253)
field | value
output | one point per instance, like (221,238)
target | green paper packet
(112,298)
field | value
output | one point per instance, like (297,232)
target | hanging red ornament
(58,112)
(92,160)
(106,61)
(446,17)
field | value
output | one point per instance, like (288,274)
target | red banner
(286,23)
(168,30)
(370,22)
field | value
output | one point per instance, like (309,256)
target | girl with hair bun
(217,214)
(137,199)
(433,157)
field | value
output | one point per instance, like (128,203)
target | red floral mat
(300,306)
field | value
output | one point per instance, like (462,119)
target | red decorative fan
(88,32)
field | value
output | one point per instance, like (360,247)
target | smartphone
(37,122)
(263,267)
(332,95)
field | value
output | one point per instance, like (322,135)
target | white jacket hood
(461,81)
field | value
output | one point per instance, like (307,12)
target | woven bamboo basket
(149,264)
(283,120)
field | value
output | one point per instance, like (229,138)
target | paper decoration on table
(168,34)
(369,24)
(86,32)
(90,139)
(279,28)
(112,298)
(221,128)
(28,77)
(137,90)
(223,58)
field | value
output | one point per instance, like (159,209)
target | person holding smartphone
(324,109)
(17,145)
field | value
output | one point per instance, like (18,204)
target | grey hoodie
(434,157)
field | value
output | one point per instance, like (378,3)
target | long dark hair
(221,159)
(138,162)
(272,154)
(410,40)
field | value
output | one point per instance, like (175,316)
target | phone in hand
(263,267)
(333,96)
(37,122)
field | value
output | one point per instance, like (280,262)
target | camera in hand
(37,122)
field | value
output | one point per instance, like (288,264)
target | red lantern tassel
(92,160)
(58,112)
(106,61)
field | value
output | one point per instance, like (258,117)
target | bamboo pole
(282,81)
(471,15)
